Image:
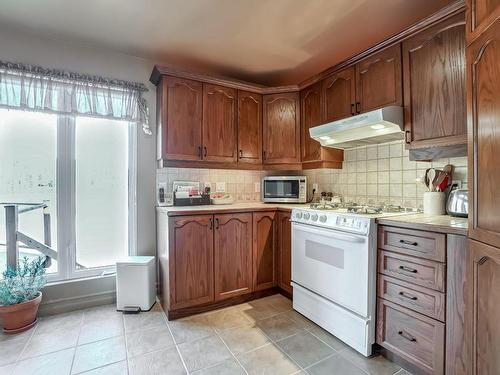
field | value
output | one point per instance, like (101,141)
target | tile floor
(264,336)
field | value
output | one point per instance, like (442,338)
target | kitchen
(318,224)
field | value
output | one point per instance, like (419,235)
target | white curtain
(28,87)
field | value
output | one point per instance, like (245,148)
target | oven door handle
(330,233)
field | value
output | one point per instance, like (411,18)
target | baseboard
(64,305)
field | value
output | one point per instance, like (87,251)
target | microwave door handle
(330,233)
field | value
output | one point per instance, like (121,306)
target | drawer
(422,300)
(413,270)
(427,245)
(415,337)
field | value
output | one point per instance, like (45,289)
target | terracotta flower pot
(20,317)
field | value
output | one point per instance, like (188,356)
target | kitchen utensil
(458,203)
(444,184)
(431,175)
(426,178)
(440,176)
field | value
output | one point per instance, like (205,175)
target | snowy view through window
(28,174)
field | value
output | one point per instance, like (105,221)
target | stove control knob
(314,217)
(322,218)
(306,216)
(298,215)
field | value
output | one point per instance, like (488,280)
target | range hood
(378,126)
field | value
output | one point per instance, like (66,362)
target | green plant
(22,283)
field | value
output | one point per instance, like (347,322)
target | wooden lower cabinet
(233,255)
(264,250)
(191,253)
(285,251)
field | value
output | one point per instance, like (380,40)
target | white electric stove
(334,258)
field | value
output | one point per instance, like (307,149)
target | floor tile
(229,367)
(98,354)
(267,360)
(11,350)
(61,322)
(187,330)
(328,338)
(305,349)
(23,335)
(243,339)
(400,372)
(204,353)
(149,340)
(58,363)
(96,329)
(376,365)
(258,310)
(279,302)
(278,327)
(144,320)
(227,318)
(157,363)
(118,368)
(44,341)
(334,365)
(300,319)
(7,370)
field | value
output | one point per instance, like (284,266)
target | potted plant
(21,294)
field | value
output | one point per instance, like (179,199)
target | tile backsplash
(378,174)
(381,174)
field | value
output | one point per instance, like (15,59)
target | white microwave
(285,189)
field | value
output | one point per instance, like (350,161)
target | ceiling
(271,42)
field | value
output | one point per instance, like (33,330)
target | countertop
(433,223)
(222,208)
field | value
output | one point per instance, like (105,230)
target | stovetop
(361,209)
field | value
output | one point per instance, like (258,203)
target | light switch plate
(220,187)
(257,187)
(315,187)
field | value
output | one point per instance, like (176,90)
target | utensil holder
(434,203)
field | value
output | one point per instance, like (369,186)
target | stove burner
(370,210)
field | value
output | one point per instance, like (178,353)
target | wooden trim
(322,164)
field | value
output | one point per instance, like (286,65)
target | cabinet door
(233,255)
(379,80)
(340,95)
(180,110)
(434,85)
(191,260)
(480,14)
(219,123)
(249,127)
(311,112)
(482,307)
(264,250)
(483,106)
(281,128)
(284,251)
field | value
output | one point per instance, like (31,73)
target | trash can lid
(135,260)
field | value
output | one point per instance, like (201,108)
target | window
(84,170)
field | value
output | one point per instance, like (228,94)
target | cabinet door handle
(408,269)
(407,336)
(352,109)
(408,242)
(408,296)
(241,153)
(264,155)
(211,224)
(217,223)
(407,136)
(205,152)
(358,107)
(199,152)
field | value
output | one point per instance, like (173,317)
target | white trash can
(135,283)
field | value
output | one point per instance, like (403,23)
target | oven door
(281,190)
(332,264)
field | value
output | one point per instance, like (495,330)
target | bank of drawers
(411,296)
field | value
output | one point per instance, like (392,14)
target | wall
(381,174)
(15,45)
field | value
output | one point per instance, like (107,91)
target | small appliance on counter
(222,198)
(458,203)
(188,193)
(284,189)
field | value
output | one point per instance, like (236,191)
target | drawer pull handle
(407,336)
(403,294)
(408,242)
(408,269)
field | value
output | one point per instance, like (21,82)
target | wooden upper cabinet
(233,255)
(480,15)
(219,123)
(340,95)
(434,85)
(249,127)
(191,253)
(311,111)
(482,307)
(285,251)
(281,128)
(180,114)
(379,80)
(264,250)
(483,108)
